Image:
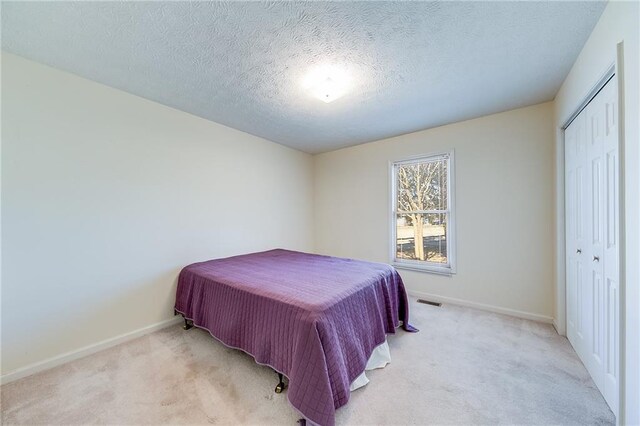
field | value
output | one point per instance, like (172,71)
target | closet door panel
(571,223)
(576,223)
(595,304)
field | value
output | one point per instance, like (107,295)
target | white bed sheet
(380,357)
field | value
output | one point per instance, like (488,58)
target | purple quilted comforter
(316,319)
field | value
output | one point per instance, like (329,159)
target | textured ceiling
(412,65)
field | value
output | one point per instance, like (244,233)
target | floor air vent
(429,302)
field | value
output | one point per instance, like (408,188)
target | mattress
(315,319)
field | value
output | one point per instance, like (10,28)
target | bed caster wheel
(280,386)
(187,325)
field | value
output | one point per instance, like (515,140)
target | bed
(315,319)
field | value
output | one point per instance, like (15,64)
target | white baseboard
(481,306)
(82,352)
(96,347)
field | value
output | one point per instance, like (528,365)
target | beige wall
(105,196)
(504,199)
(618,23)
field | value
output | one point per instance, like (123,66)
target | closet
(592,204)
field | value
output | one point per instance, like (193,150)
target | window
(422,227)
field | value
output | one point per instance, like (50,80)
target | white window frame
(421,265)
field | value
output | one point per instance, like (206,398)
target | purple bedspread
(316,319)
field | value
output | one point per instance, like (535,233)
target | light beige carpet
(464,367)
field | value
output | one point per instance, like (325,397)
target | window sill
(437,270)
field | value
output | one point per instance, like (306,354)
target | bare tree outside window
(422,211)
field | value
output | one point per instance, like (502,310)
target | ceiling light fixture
(326,83)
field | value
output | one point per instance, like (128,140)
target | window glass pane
(441,184)
(422,237)
(422,186)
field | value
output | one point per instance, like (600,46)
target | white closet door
(575,157)
(611,248)
(592,239)
(594,310)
